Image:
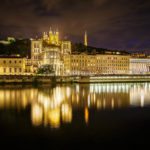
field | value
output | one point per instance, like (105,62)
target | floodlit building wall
(52,56)
(36,50)
(84,64)
(139,65)
(112,64)
(66,51)
(12,66)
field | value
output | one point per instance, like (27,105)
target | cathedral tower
(53,37)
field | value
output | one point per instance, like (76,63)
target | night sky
(113,24)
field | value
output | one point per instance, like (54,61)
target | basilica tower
(53,37)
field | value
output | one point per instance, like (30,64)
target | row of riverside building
(49,50)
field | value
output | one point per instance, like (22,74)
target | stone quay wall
(73,79)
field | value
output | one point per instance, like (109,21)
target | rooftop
(94,52)
(10,56)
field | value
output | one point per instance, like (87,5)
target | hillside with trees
(79,48)
(21,47)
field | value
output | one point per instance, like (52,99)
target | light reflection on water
(51,106)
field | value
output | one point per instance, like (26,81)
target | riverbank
(28,79)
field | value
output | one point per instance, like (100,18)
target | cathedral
(50,50)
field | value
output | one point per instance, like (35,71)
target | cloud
(110,24)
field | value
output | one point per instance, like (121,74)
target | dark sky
(114,24)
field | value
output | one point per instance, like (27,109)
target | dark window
(4,70)
(4,62)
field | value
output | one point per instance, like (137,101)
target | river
(69,114)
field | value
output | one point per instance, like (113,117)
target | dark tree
(45,69)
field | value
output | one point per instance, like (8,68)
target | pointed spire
(50,29)
(85,39)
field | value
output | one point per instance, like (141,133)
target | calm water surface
(73,113)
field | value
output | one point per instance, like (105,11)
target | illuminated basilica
(50,50)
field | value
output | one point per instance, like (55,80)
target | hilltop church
(50,50)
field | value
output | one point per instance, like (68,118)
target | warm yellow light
(68,92)
(2,99)
(86,115)
(112,103)
(66,113)
(54,118)
(99,104)
(36,115)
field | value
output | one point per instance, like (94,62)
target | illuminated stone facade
(49,50)
(84,64)
(36,50)
(28,66)
(52,55)
(66,48)
(112,64)
(139,65)
(12,65)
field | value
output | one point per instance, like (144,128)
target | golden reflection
(36,114)
(88,100)
(2,99)
(99,104)
(104,103)
(68,92)
(66,111)
(140,95)
(50,106)
(142,98)
(86,115)
(77,98)
(112,103)
(54,118)
(45,120)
